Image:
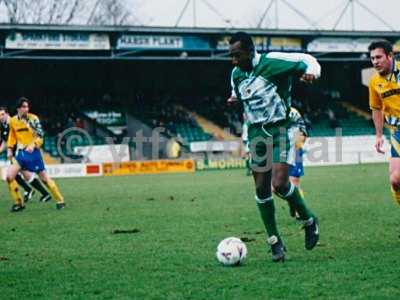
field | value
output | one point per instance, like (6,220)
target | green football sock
(297,200)
(267,211)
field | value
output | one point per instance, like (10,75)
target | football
(231,251)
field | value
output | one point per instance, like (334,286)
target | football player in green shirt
(262,82)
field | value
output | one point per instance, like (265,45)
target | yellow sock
(396,195)
(14,191)
(55,191)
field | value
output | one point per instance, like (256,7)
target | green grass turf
(73,254)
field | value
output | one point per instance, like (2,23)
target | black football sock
(36,183)
(23,183)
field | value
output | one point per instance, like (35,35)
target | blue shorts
(32,162)
(296,170)
(395,143)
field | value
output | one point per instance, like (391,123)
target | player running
(297,132)
(26,135)
(263,84)
(384,101)
(35,182)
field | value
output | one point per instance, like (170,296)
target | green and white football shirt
(266,90)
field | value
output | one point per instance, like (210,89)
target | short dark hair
(383,44)
(245,40)
(21,101)
(4,108)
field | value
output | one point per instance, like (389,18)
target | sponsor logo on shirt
(390,93)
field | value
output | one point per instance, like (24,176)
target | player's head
(23,106)
(381,54)
(3,114)
(241,49)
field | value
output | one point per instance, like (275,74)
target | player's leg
(35,182)
(295,173)
(287,190)
(52,186)
(261,162)
(265,201)
(292,209)
(295,180)
(291,193)
(28,191)
(394,171)
(36,164)
(14,188)
(38,185)
(266,207)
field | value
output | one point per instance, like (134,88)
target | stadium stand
(186,120)
(348,121)
(54,123)
(177,121)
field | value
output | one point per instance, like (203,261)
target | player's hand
(29,148)
(308,78)
(232,100)
(9,154)
(379,144)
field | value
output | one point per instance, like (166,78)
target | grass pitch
(154,237)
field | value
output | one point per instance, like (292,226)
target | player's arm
(375,104)
(233,98)
(12,141)
(38,133)
(377,117)
(305,65)
(3,143)
(3,146)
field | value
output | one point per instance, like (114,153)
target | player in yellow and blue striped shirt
(34,182)
(384,101)
(26,135)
